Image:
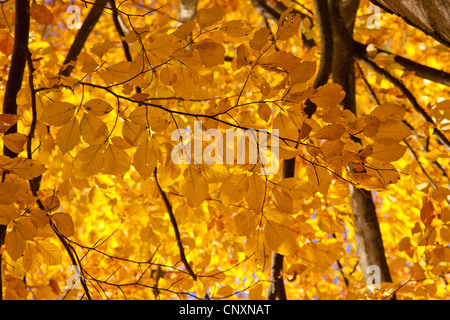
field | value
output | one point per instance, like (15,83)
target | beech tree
(224,150)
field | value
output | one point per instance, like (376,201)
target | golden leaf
(41,14)
(15,141)
(236,28)
(208,16)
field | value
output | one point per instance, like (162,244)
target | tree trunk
(369,243)
(18,62)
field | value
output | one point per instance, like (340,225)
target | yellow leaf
(28,169)
(118,72)
(389,111)
(32,257)
(41,14)
(140,96)
(236,28)
(6,43)
(297,188)
(211,53)
(426,213)
(331,132)
(279,61)
(208,16)
(244,223)
(234,188)
(93,129)
(280,239)
(117,161)
(256,192)
(64,223)
(100,49)
(260,38)
(332,149)
(15,141)
(282,200)
(287,130)
(145,159)
(38,217)
(6,121)
(319,178)
(302,72)
(241,56)
(183,30)
(25,228)
(388,150)
(328,96)
(58,113)
(372,124)
(68,135)
(393,129)
(168,76)
(88,161)
(7,213)
(194,185)
(50,252)
(225,291)
(288,24)
(443,105)
(264,111)
(14,244)
(98,107)
(8,192)
(440,194)
(88,63)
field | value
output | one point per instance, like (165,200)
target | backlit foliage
(103,146)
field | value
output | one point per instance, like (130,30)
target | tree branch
(442,138)
(82,35)
(15,77)
(175,229)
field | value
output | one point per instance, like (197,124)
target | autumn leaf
(234,188)
(211,53)
(117,161)
(328,95)
(68,135)
(145,159)
(41,14)
(256,194)
(388,150)
(28,169)
(64,223)
(59,113)
(100,49)
(289,24)
(319,178)
(89,161)
(14,244)
(208,16)
(15,141)
(280,239)
(331,132)
(194,186)
(260,38)
(97,107)
(236,28)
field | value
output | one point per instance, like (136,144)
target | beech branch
(82,35)
(442,138)
(13,85)
(175,229)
